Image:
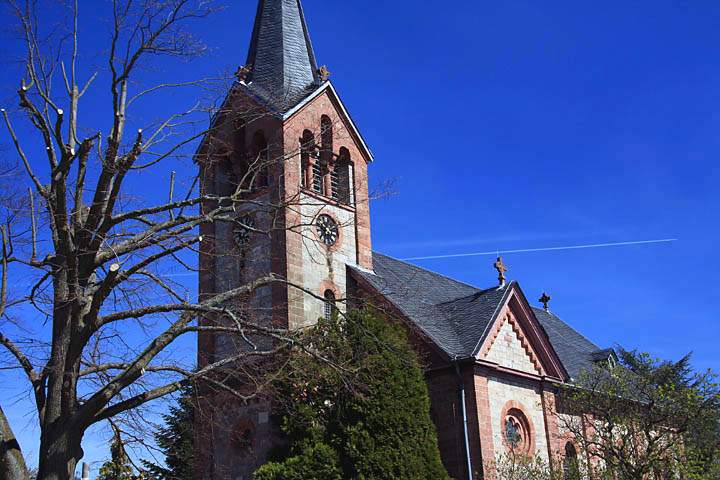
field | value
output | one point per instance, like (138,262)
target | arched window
(342,181)
(259,161)
(571,468)
(329,304)
(238,144)
(307,149)
(326,137)
(323,184)
(226,178)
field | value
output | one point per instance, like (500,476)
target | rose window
(517,431)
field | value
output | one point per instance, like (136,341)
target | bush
(365,415)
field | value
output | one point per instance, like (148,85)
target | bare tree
(90,307)
(642,418)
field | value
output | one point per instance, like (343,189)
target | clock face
(243,231)
(327,230)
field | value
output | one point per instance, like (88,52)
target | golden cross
(501,268)
(545,300)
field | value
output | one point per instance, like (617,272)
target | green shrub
(364,414)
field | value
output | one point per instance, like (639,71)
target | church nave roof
(457,317)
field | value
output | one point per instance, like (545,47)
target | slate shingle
(575,351)
(457,316)
(283,70)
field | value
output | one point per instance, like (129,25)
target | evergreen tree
(367,417)
(118,467)
(177,441)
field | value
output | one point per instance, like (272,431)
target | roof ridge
(480,292)
(416,267)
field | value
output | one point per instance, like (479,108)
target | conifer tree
(118,467)
(176,440)
(367,417)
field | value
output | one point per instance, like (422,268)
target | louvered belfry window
(317,178)
(335,183)
(307,147)
(343,190)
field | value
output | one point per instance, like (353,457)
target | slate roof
(283,70)
(576,352)
(456,316)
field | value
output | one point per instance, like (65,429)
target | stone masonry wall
(528,398)
(508,350)
(325,268)
(309,262)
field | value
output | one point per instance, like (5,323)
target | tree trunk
(12,463)
(60,454)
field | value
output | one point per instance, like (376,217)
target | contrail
(547,249)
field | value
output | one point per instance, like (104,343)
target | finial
(324,73)
(501,268)
(242,72)
(545,300)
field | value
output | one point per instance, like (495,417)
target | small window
(571,468)
(329,304)
(307,149)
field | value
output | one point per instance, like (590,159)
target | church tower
(285,137)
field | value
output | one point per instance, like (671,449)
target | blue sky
(523,124)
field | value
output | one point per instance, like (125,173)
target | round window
(517,431)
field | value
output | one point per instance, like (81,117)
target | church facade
(494,362)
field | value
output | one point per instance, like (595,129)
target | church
(494,361)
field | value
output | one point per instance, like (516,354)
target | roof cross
(545,300)
(324,73)
(501,268)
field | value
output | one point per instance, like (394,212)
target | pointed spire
(281,61)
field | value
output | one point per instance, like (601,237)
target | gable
(327,90)
(509,347)
(516,340)
(463,321)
